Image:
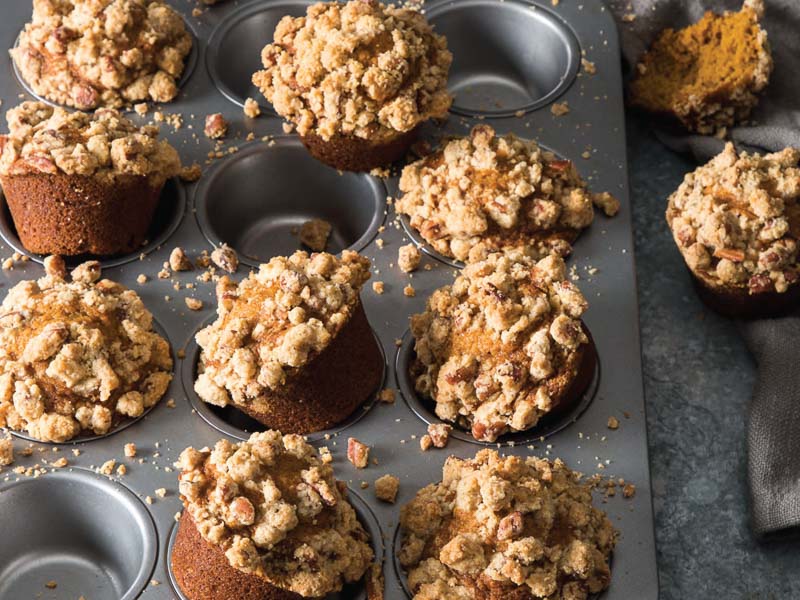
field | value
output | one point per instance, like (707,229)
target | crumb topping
(315,234)
(77,356)
(506,526)
(112,53)
(359,68)
(276,321)
(736,219)
(706,75)
(103,144)
(277,512)
(497,349)
(386,488)
(486,192)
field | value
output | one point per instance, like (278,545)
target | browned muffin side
(265,519)
(356,80)
(292,345)
(77,183)
(504,345)
(736,221)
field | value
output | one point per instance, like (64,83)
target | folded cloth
(775,122)
(773,436)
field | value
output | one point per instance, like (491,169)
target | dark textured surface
(698,379)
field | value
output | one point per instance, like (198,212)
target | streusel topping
(736,219)
(487,192)
(113,53)
(359,68)
(77,356)
(506,524)
(276,321)
(103,144)
(497,349)
(276,510)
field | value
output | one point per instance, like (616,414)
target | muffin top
(487,192)
(276,510)
(498,349)
(92,53)
(359,68)
(706,75)
(736,220)
(103,144)
(77,357)
(276,321)
(497,527)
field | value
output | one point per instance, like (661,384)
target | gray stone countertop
(698,377)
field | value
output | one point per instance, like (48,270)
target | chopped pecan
(357,453)
(759,284)
(440,434)
(730,254)
(510,526)
(216,126)
(242,511)
(225,258)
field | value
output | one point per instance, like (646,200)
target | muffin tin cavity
(234,423)
(507,57)
(353,591)
(547,425)
(124,423)
(234,49)
(257,199)
(167,218)
(88,534)
(189,65)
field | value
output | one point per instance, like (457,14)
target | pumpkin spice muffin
(265,520)
(486,193)
(68,177)
(504,345)
(291,346)
(92,53)
(736,221)
(356,80)
(505,527)
(77,357)
(706,77)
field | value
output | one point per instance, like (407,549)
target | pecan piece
(242,511)
(510,526)
(225,258)
(440,434)
(730,254)
(357,453)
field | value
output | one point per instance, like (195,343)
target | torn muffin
(503,346)
(485,193)
(707,76)
(265,518)
(500,527)
(103,53)
(106,172)
(291,346)
(356,80)
(736,221)
(77,357)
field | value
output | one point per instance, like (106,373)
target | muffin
(503,346)
(499,528)
(265,520)
(356,80)
(112,53)
(706,77)
(486,193)
(291,346)
(77,357)
(736,221)
(80,183)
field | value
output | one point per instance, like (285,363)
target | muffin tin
(99,536)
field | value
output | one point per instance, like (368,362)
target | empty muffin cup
(574,403)
(86,534)
(507,57)
(258,199)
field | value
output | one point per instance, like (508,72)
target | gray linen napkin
(773,440)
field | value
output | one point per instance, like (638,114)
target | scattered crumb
(216,126)
(51,585)
(386,488)
(408,258)
(193,303)
(60,463)
(628,490)
(6,450)
(425,442)
(141,108)
(439,434)
(161,492)
(588,66)
(315,233)
(130,450)
(178,261)
(108,467)
(628,18)
(559,109)
(122,470)
(141,279)
(357,453)
(386,395)
(377,287)
(325,455)
(613,423)
(409,291)
(251,108)
(191,173)
(225,258)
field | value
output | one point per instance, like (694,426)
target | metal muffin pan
(533,50)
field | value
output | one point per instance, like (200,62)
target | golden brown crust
(503,346)
(706,76)
(88,54)
(505,527)
(77,357)
(275,510)
(486,193)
